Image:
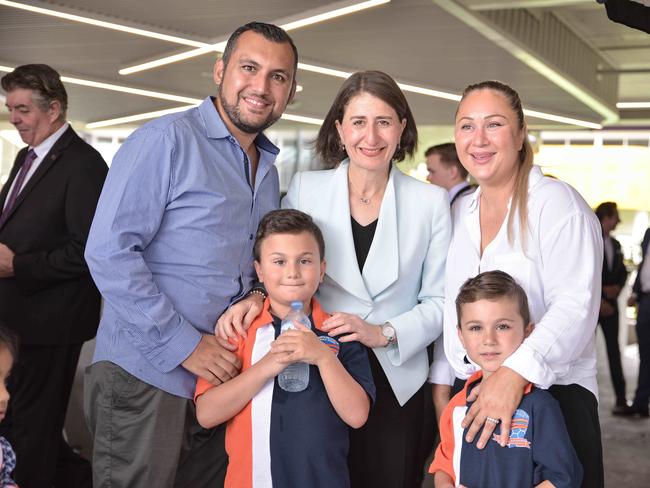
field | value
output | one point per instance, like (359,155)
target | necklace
(362,200)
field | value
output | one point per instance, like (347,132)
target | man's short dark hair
(493,285)
(448,156)
(606,209)
(43,80)
(268,31)
(287,221)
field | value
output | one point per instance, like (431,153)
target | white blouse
(560,270)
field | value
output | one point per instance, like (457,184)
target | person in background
(170,249)
(47,295)
(641,298)
(614,277)
(445,170)
(541,232)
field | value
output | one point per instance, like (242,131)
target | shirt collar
(44,147)
(265,317)
(453,191)
(216,128)
(534,177)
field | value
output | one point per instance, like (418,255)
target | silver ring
(494,421)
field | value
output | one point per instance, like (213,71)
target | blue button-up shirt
(171,243)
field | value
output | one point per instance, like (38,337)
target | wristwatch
(388,331)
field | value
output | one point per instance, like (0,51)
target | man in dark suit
(641,297)
(446,170)
(614,276)
(46,293)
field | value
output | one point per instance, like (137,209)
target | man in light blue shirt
(170,249)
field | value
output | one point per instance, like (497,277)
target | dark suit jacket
(52,298)
(636,288)
(617,274)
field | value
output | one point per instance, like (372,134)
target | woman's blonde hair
(520,193)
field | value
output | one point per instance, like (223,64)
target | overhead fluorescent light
(121,88)
(136,118)
(625,105)
(160,113)
(101,23)
(560,118)
(288,26)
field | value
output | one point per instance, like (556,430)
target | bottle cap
(297,305)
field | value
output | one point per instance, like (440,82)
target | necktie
(20,179)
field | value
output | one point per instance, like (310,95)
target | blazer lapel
(382,264)
(48,161)
(342,265)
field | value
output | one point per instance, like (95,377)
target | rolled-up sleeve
(130,210)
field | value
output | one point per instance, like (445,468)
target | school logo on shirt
(518,429)
(332,343)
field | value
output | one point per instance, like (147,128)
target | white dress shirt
(560,270)
(41,151)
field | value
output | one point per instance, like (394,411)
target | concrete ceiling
(440,44)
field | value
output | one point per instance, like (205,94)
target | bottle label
(332,343)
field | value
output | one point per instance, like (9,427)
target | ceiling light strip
(560,118)
(104,24)
(219,47)
(307,120)
(628,105)
(120,88)
(159,113)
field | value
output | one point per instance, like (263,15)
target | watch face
(388,332)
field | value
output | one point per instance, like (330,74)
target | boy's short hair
(493,285)
(287,221)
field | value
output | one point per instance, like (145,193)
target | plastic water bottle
(294,377)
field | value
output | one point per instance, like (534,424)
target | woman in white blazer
(386,238)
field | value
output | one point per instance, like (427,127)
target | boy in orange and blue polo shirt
(493,320)
(273,437)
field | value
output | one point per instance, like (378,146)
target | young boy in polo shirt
(273,437)
(493,321)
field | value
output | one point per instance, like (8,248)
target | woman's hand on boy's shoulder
(239,317)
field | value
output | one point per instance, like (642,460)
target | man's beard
(233,113)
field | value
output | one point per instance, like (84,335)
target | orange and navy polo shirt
(287,439)
(538,449)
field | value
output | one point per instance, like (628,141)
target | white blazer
(403,276)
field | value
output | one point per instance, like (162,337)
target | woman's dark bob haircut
(328,144)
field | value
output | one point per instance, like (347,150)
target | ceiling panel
(413,40)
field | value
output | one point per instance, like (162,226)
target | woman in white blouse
(540,231)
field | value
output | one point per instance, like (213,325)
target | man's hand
(239,317)
(6,261)
(498,399)
(213,360)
